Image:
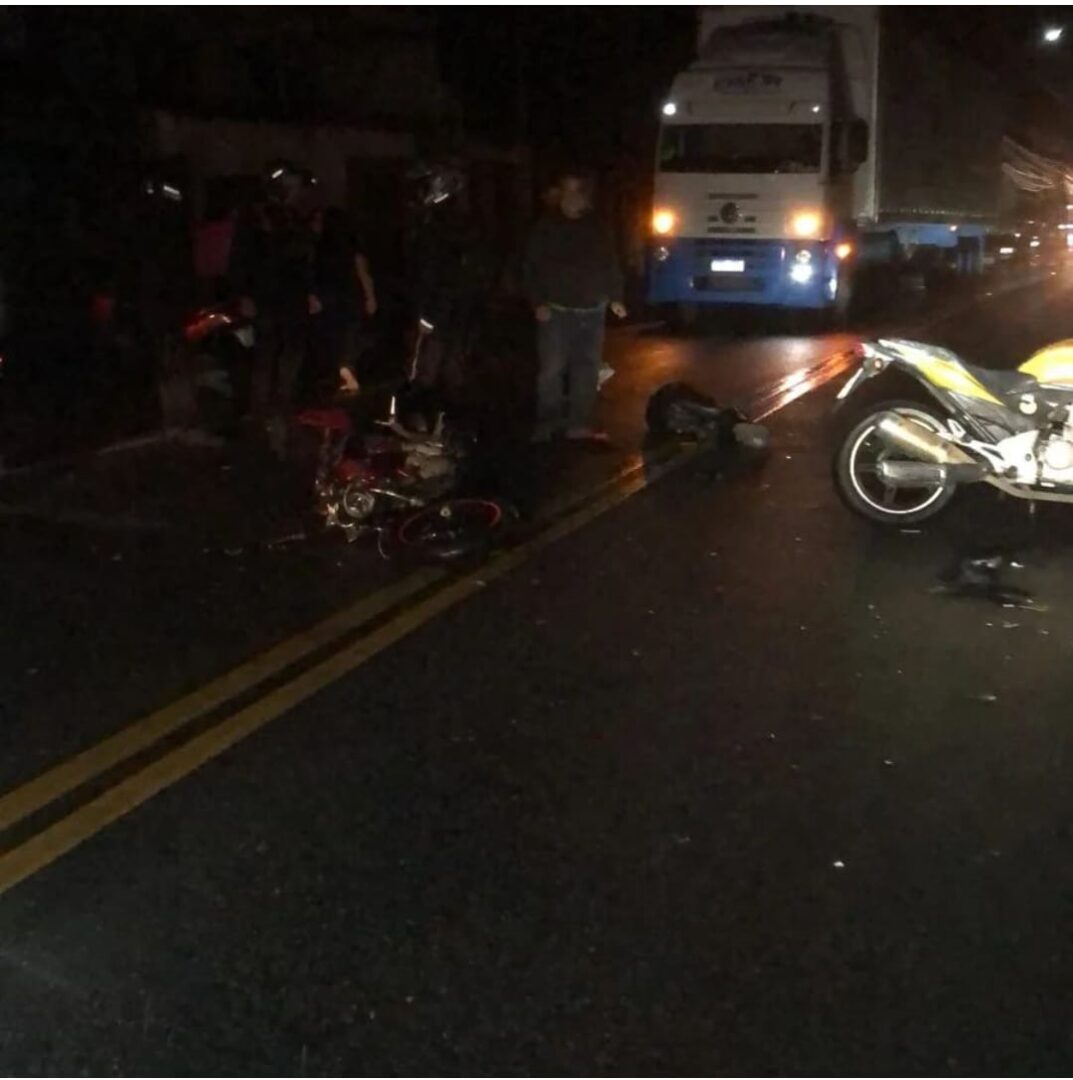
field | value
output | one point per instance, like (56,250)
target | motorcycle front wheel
(856,469)
(452,530)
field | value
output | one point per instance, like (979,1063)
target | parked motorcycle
(902,462)
(400,484)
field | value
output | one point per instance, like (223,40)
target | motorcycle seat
(1003,384)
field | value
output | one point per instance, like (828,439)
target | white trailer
(807,141)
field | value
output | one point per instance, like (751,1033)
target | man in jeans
(572,275)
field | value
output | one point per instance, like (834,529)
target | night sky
(584,82)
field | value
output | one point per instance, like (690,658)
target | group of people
(301,277)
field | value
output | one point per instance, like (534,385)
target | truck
(809,144)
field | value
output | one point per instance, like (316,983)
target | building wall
(223,147)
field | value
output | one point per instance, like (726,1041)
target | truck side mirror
(858,143)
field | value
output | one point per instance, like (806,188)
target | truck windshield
(741,148)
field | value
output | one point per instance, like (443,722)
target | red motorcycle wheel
(454,529)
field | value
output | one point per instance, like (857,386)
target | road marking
(130,792)
(55,840)
(62,779)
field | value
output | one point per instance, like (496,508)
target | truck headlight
(663,222)
(806,223)
(801,273)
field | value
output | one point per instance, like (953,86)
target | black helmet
(438,182)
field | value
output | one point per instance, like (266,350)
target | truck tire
(842,307)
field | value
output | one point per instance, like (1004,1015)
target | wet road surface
(717,783)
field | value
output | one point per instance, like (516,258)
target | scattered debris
(232,552)
(910,532)
(283,540)
(987,697)
(838,864)
(888,762)
(1010,625)
(980,577)
(682,839)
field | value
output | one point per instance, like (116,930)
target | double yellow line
(119,782)
(56,811)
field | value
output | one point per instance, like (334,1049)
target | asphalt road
(717,783)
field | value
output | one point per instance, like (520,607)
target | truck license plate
(728,266)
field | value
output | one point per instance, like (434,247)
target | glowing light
(1005,250)
(806,223)
(669,108)
(804,256)
(815,108)
(1033,242)
(843,250)
(662,253)
(664,221)
(801,273)
(277,174)
(1053,34)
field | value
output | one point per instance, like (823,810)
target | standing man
(272,270)
(572,275)
(347,292)
(452,276)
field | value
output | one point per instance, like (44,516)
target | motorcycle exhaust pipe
(918,474)
(913,438)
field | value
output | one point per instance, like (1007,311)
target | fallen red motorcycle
(400,484)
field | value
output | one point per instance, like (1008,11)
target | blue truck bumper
(725,271)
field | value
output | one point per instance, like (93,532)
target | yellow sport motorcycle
(902,462)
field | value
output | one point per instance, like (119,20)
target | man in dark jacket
(272,271)
(572,274)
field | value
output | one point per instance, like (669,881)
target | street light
(1052,34)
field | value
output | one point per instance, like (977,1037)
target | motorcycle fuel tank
(1052,366)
